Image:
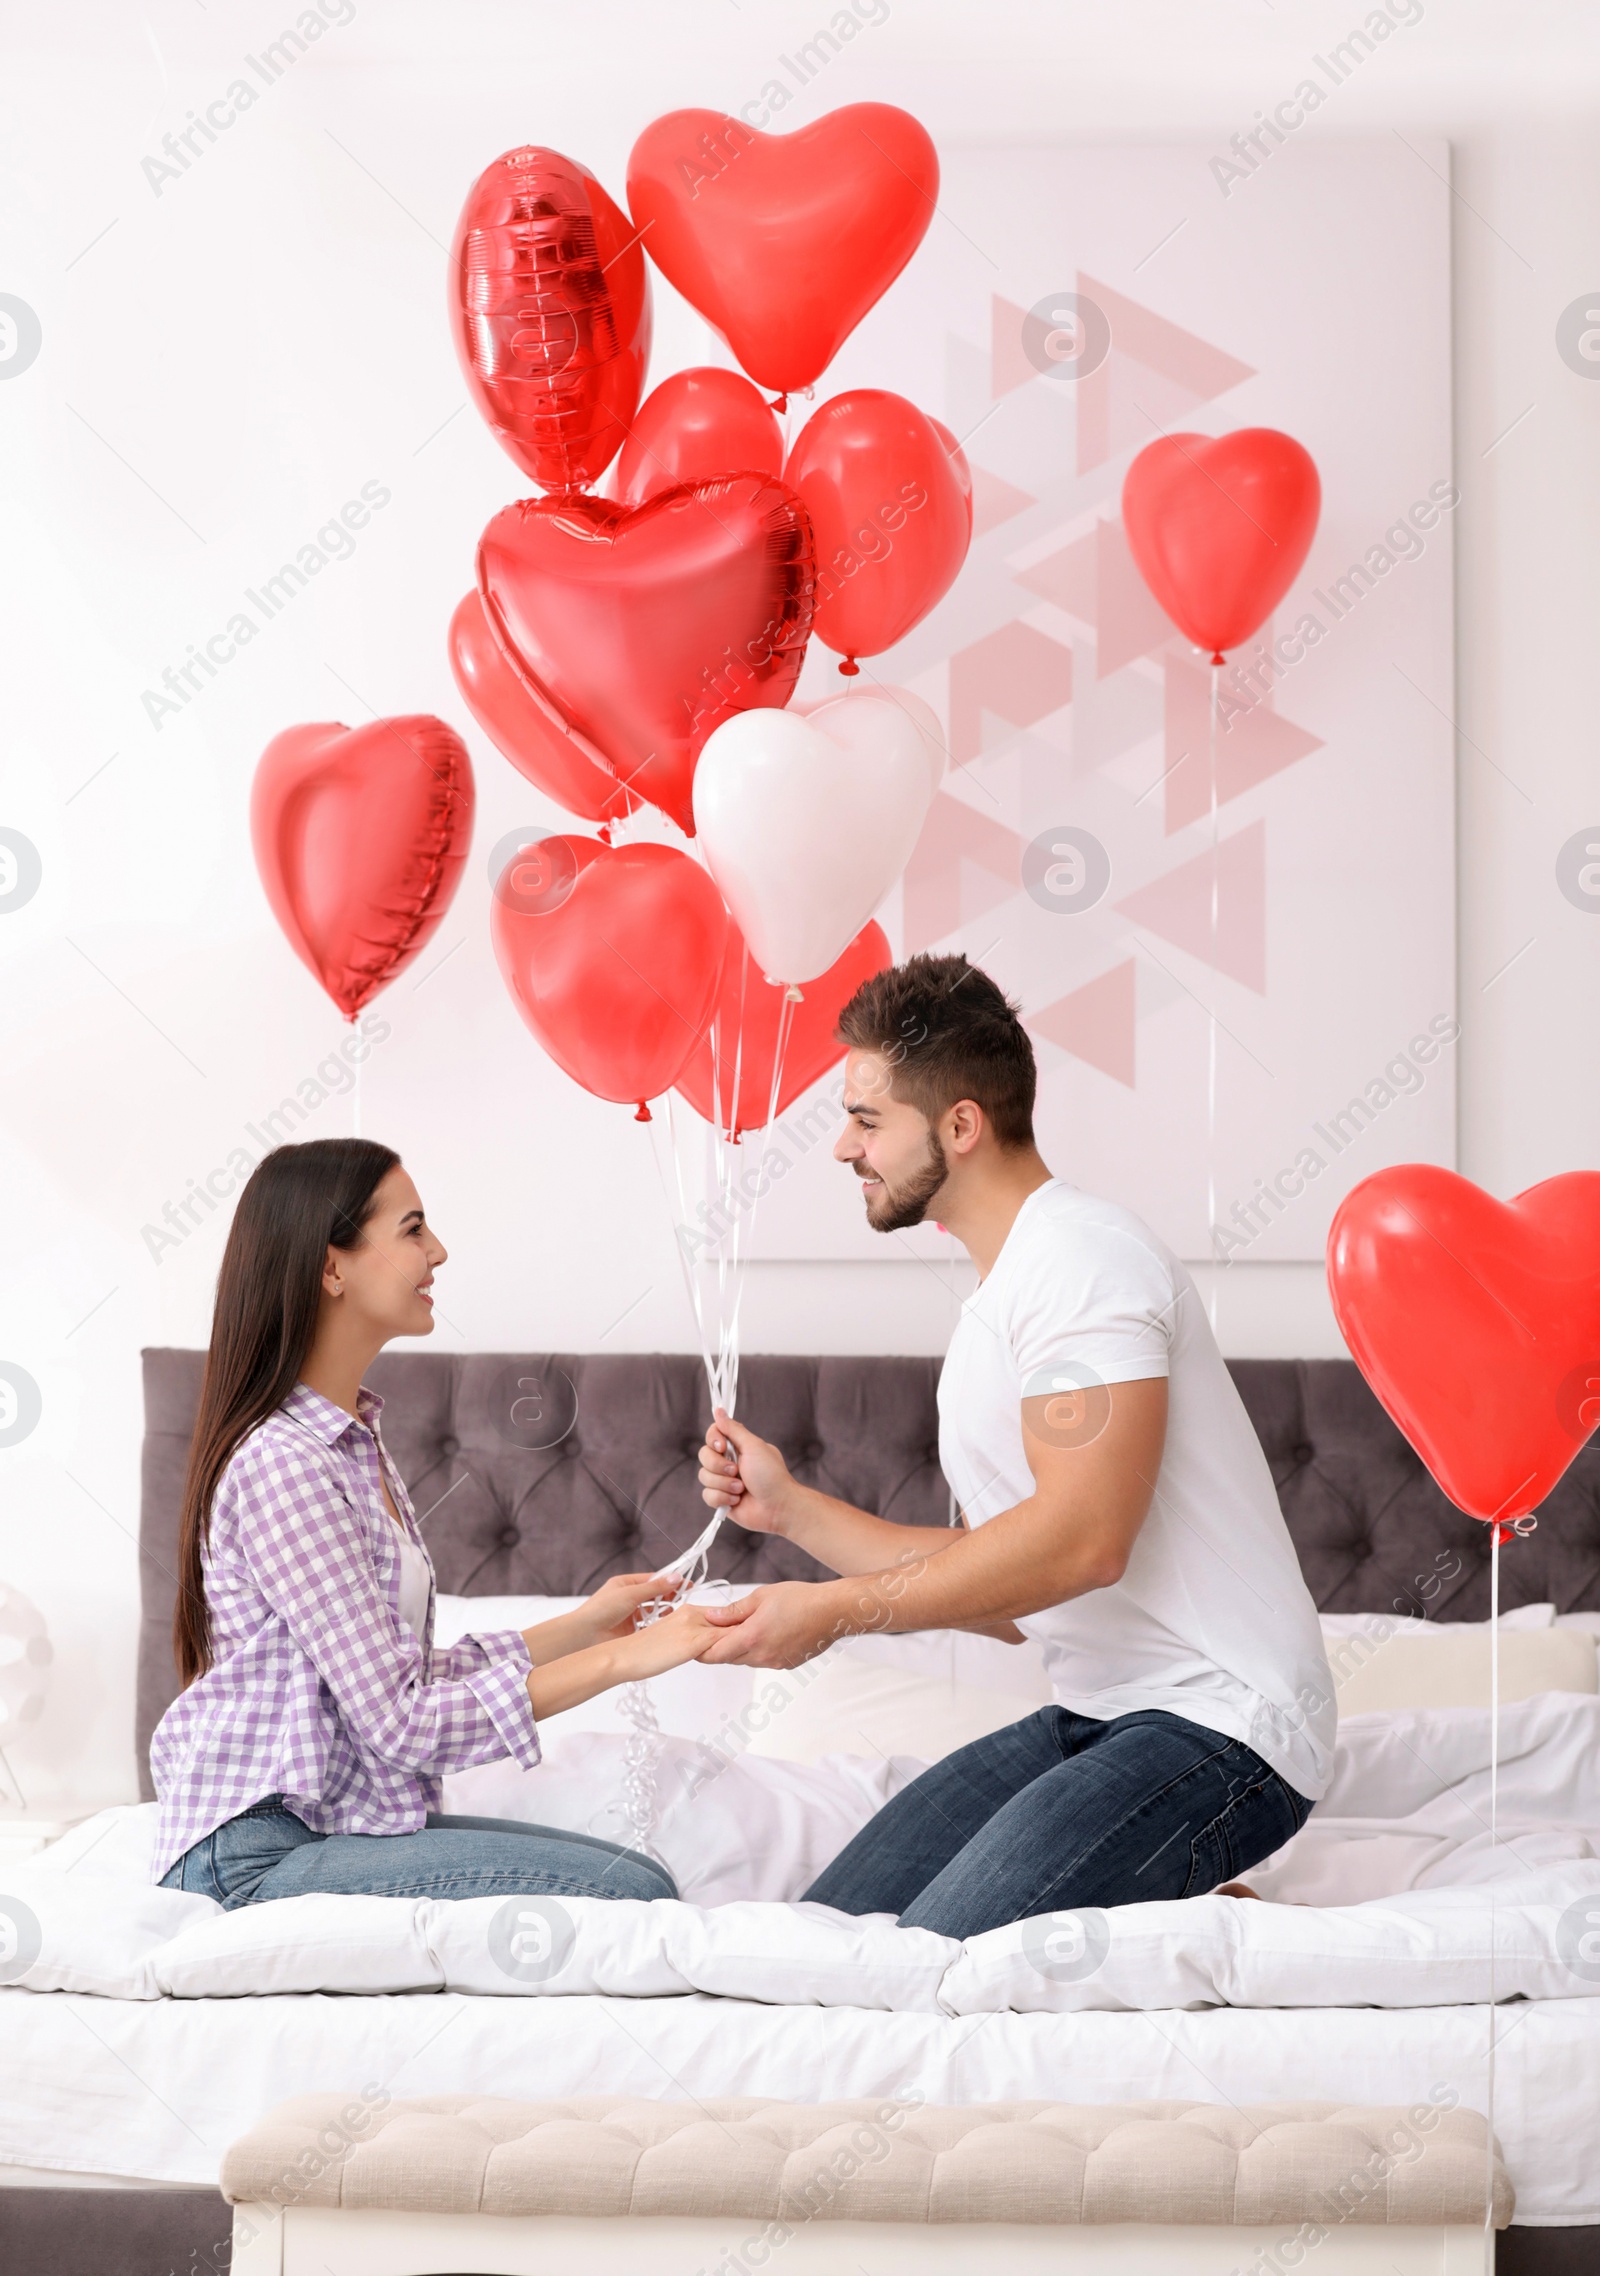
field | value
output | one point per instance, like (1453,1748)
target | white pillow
(848,1704)
(1374,1672)
(726,1828)
(1408,1624)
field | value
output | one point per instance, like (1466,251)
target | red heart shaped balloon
(696,425)
(1219,528)
(550,313)
(744,1039)
(612,955)
(889,513)
(529,730)
(784,241)
(647,627)
(360,834)
(1477,1323)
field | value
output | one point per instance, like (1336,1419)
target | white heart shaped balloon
(806,820)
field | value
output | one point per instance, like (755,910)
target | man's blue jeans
(1060,1811)
(268,1852)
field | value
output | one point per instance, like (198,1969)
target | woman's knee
(640,1878)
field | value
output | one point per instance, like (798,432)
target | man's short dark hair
(948,1033)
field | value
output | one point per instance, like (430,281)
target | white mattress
(152,2029)
(160,2087)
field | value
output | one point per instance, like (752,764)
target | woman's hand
(580,1675)
(605,1617)
(745,1477)
(667,1643)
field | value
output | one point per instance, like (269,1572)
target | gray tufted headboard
(541,1474)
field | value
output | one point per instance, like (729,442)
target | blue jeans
(268,1852)
(1060,1811)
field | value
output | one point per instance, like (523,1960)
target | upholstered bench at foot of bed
(327,2186)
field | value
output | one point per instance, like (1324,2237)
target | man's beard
(899,1207)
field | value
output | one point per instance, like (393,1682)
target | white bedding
(1408,1807)
(1404,1896)
(152,2026)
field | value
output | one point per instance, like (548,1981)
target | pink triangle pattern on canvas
(1213,906)
(1017,673)
(995,500)
(1155,374)
(962,866)
(1251,745)
(1095,1022)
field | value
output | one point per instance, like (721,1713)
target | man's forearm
(974,1579)
(849,1540)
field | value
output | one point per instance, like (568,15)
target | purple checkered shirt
(316,1689)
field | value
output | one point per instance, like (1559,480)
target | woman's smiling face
(385,1281)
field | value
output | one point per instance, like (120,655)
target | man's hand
(744,1476)
(780,1626)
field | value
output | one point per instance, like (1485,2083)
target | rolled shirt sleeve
(307,1549)
(448,1663)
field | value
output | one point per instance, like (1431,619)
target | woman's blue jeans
(268,1852)
(1058,1812)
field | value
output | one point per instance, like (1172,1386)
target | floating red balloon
(647,627)
(744,1042)
(1219,527)
(612,956)
(360,834)
(525,727)
(784,241)
(1477,1323)
(550,313)
(698,424)
(891,519)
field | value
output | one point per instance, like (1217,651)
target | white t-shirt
(1212,1619)
(413,1584)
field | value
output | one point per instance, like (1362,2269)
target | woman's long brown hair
(299,1202)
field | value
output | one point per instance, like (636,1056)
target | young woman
(316,1721)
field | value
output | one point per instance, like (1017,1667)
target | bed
(542,1473)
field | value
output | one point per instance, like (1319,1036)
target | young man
(1116,1506)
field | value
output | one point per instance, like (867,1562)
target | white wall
(224,364)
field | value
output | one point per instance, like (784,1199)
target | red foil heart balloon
(550,313)
(1477,1323)
(1219,528)
(696,425)
(527,728)
(360,834)
(744,1040)
(646,628)
(612,955)
(784,241)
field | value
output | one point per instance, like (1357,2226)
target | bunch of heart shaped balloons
(642,647)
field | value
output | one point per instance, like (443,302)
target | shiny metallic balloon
(550,312)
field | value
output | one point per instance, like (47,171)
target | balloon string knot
(644,1114)
(850,668)
(604,833)
(779,403)
(1217,657)
(792,995)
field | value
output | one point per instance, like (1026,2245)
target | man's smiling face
(889,1145)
